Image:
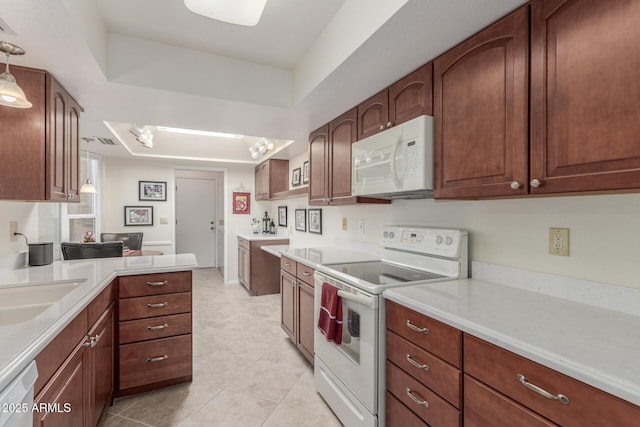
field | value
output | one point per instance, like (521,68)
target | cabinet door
(288,304)
(412,96)
(57,142)
(240,265)
(246,267)
(342,133)
(304,342)
(373,115)
(69,391)
(584,95)
(262,181)
(319,166)
(22,141)
(102,363)
(481,112)
(73,150)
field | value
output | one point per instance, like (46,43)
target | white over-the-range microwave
(395,163)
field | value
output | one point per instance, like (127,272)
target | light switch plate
(344,224)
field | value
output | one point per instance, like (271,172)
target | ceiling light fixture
(11,95)
(261,147)
(88,187)
(143,135)
(246,12)
(199,132)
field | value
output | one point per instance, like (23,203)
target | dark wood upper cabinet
(319,166)
(342,133)
(41,142)
(271,176)
(585,92)
(406,99)
(481,112)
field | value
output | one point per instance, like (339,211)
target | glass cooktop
(381,273)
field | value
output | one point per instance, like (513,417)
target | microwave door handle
(394,172)
(360,299)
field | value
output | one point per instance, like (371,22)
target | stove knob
(386,234)
(438,240)
(448,240)
(391,234)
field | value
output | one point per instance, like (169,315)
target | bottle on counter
(265,222)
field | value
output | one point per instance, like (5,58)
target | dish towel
(330,318)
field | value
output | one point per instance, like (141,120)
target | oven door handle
(360,299)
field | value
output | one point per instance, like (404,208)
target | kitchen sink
(23,303)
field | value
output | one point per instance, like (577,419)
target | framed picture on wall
(152,191)
(315,221)
(282,216)
(305,172)
(241,203)
(138,215)
(301,219)
(295,177)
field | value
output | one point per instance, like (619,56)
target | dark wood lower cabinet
(102,357)
(304,340)
(297,304)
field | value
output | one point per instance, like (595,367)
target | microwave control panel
(411,158)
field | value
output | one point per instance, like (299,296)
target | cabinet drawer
(154,284)
(427,405)
(486,407)
(154,327)
(154,361)
(101,303)
(438,338)
(243,243)
(305,273)
(288,265)
(439,376)
(157,305)
(398,415)
(587,406)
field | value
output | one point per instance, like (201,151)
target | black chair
(131,241)
(91,250)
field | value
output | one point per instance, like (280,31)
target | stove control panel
(444,242)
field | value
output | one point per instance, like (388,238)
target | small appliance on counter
(40,253)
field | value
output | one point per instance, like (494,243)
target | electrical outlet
(559,241)
(13,228)
(344,224)
(361,226)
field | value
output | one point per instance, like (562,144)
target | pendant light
(88,187)
(11,95)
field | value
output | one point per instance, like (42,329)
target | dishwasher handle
(365,300)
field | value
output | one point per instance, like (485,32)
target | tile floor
(246,371)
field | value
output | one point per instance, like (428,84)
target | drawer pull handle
(306,273)
(416,328)
(287,264)
(89,342)
(164,282)
(153,328)
(157,359)
(94,340)
(158,305)
(417,364)
(561,397)
(415,399)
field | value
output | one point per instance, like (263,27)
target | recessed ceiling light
(199,132)
(239,12)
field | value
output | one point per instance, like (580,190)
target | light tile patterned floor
(246,370)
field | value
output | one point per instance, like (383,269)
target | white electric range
(350,376)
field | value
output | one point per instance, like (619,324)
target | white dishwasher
(17,399)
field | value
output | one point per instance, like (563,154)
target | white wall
(604,231)
(26,214)
(120,186)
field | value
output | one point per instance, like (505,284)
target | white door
(196,219)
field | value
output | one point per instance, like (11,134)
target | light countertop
(596,345)
(21,342)
(249,235)
(317,258)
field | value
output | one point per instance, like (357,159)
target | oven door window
(350,331)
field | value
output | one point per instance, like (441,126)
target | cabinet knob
(381,127)
(535,183)
(389,124)
(515,185)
